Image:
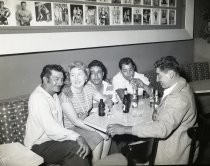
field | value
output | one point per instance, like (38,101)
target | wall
(202,48)
(19,74)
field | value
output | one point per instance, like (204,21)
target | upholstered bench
(13,116)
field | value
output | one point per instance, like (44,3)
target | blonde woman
(77,101)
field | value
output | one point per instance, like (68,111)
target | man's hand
(118,129)
(137,82)
(83,147)
(109,103)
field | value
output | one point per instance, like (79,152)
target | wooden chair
(141,152)
(199,134)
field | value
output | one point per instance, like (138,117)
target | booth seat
(14,111)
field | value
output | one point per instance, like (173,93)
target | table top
(201,86)
(117,116)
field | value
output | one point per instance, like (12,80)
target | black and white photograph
(91,0)
(164,17)
(146,16)
(172,17)
(127,2)
(172,3)
(104,1)
(116,1)
(116,15)
(43,12)
(155,20)
(164,3)
(103,15)
(61,14)
(76,14)
(156,2)
(137,15)
(127,15)
(147,2)
(4,13)
(90,15)
(137,2)
(24,14)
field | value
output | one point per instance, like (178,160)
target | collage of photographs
(88,13)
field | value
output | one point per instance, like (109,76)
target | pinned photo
(137,2)
(61,14)
(76,14)
(4,13)
(90,15)
(146,16)
(164,3)
(116,15)
(155,16)
(103,15)
(147,2)
(127,15)
(164,17)
(156,2)
(137,16)
(43,11)
(172,17)
(128,2)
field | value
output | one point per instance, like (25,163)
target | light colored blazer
(176,113)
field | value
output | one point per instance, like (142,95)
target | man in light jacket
(175,114)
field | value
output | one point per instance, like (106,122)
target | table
(201,86)
(118,117)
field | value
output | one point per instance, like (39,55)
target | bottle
(134,102)
(156,99)
(126,101)
(101,108)
(151,98)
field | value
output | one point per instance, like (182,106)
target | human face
(77,78)
(163,77)
(23,5)
(96,75)
(54,82)
(127,71)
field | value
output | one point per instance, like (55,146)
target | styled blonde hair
(81,66)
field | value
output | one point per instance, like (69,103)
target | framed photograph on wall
(155,16)
(76,14)
(146,16)
(137,16)
(61,14)
(116,15)
(127,15)
(90,15)
(173,26)
(103,15)
(147,2)
(172,17)
(137,2)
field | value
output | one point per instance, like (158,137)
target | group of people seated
(55,126)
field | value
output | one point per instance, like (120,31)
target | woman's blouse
(82,102)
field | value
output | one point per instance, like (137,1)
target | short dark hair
(98,64)
(2,2)
(47,71)
(23,2)
(127,61)
(167,63)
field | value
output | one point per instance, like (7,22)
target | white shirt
(168,91)
(45,120)
(119,82)
(108,91)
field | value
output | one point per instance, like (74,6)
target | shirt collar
(168,90)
